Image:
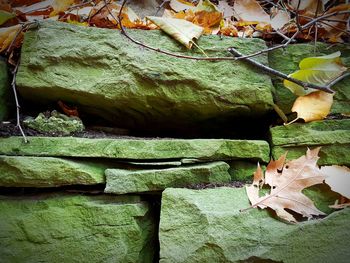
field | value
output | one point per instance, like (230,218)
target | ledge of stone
(128,181)
(136,149)
(332,135)
(26,171)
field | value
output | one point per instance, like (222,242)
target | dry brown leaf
(205,15)
(336,25)
(338,178)
(279,19)
(314,106)
(228,28)
(274,169)
(250,11)
(286,188)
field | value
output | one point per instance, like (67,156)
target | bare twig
(13,85)
(279,74)
(119,21)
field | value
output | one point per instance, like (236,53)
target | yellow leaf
(183,31)
(316,70)
(314,106)
(7,35)
(60,6)
(338,178)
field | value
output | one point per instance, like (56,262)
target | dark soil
(234,184)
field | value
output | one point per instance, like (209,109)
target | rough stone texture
(67,228)
(287,61)
(207,226)
(212,149)
(57,123)
(23,171)
(332,135)
(126,181)
(4,90)
(135,87)
(243,170)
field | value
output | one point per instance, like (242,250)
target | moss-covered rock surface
(207,226)
(75,228)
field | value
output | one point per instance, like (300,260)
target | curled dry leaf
(183,31)
(314,106)
(336,25)
(287,185)
(338,178)
(250,11)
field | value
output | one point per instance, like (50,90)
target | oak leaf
(287,182)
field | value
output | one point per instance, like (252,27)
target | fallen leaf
(228,28)
(225,9)
(205,15)
(338,178)
(253,190)
(47,7)
(5,16)
(286,188)
(279,19)
(316,70)
(250,11)
(314,106)
(69,111)
(336,26)
(309,5)
(178,5)
(7,35)
(183,31)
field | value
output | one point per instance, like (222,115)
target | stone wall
(126,199)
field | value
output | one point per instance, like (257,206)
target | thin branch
(13,85)
(279,74)
(119,21)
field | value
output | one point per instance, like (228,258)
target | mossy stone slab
(333,136)
(207,226)
(103,73)
(26,171)
(144,149)
(75,228)
(125,181)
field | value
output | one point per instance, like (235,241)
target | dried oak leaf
(287,182)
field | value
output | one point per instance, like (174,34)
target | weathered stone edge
(213,149)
